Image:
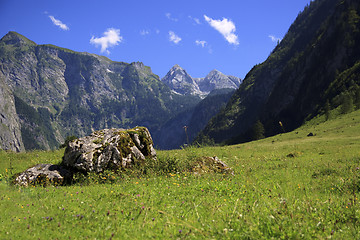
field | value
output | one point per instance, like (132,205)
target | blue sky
(199,35)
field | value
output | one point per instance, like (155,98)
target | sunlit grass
(288,186)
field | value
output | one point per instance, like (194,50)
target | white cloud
(58,23)
(274,39)
(201,43)
(174,38)
(196,20)
(144,32)
(111,38)
(204,44)
(225,27)
(168,15)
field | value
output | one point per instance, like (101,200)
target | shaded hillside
(194,119)
(310,67)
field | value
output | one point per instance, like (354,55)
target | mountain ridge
(50,93)
(73,93)
(182,83)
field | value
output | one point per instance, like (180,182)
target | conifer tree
(347,103)
(327,110)
(258,131)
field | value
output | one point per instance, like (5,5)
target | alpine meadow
(92,148)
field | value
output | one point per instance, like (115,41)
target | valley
(289,132)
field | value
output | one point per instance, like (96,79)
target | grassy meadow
(289,186)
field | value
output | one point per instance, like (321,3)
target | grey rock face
(10,129)
(44,174)
(110,149)
(217,80)
(182,83)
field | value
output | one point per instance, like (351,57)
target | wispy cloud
(174,38)
(274,39)
(168,15)
(144,32)
(196,20)
(111,38)
(204,44)
(58,23)
(226,27)
(201,43)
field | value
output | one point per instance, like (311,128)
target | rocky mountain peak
(217,80)
(138,65)
(176,66)
(182,83)
(179,72)
(215,73)
(14,38)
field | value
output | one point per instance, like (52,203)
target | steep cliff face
(55,92)
(10,129)
(292,84)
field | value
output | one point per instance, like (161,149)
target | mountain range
(182,83)
(48,93)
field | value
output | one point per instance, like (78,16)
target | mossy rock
(210,165)
(110,149)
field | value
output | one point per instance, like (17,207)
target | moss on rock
(110,149)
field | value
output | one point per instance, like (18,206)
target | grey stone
(110,149)
(44,174)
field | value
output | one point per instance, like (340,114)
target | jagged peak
(138,65)
(215,73)
(176,69)
(177,66)
(16,38)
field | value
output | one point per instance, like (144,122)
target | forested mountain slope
(312,68)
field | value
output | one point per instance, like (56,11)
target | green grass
(289,186)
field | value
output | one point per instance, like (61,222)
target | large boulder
(110,149)
(44,174)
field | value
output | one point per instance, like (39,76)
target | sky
(199,35)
